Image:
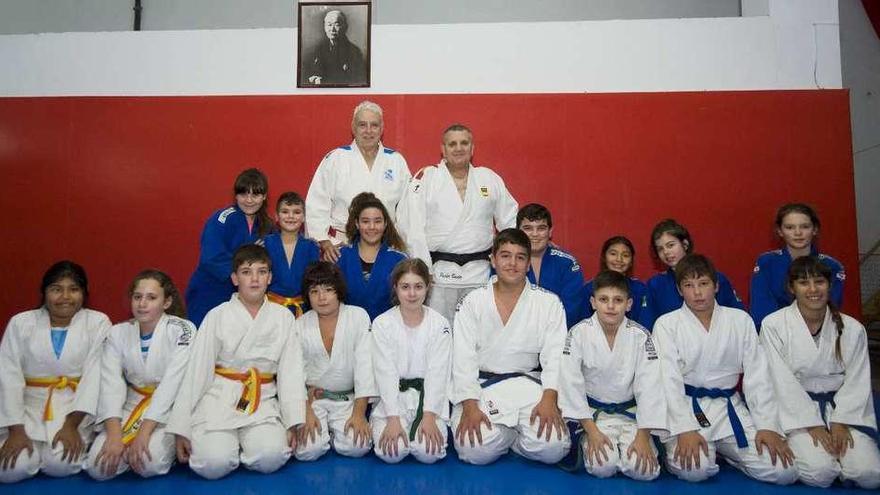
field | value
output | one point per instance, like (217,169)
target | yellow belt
(133,423)
(297,302)
(52,383)
(252,380)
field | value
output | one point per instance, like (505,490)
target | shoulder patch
(186,330)
(650,350)
(638,326)
(388,175)
(575,266)
(225,214)
(389,151)
(346,147)
(566,349)
(398,252)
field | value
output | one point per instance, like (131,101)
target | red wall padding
(123,183)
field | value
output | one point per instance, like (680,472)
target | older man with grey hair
(363,165)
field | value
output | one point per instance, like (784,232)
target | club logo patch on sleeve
(650,350)
(484,191)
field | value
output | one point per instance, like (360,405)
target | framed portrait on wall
(334,45)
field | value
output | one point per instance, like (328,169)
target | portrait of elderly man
(334,60)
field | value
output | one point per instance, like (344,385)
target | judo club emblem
(389,174)
(484,191)
(492,409)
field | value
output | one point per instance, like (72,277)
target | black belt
(460,259)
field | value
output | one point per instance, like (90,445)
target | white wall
(861,74)
(795,47)
(57,16)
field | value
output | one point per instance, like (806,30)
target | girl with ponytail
(819,363)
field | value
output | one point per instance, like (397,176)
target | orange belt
(133,423)
(52,383)
(252,380)
(297,302)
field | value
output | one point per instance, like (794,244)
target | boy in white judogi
(502,333)
(821,371)
(611,384)
(338,368)
(244,391)
(448,215)
(704,348)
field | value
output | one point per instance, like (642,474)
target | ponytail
(838,322)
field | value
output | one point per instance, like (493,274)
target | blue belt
(612,407)
(825,398)
(493,378)
(716,393)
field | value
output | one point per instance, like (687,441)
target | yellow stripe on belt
(133,423)
(52,383)
(251,379)
(297,302)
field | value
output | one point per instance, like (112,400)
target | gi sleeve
(215,255)
(648,386)
(679,411)
(551,350)
(384,364)
(761,300)
(291,380)
(757,382)
(364,379)
(319,199)
(11,371)
(838,275)
(113,388)
(572,386)
(89,388)
(796,409)
(198,378)
(506,208)
(412,217)
(465,359)
(438,372)
(572,294)
(854,400)
(180,344)
(727,294)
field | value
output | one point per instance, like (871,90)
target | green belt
(336,396)
(417,384)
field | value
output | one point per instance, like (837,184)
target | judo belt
(612,407)
(825,398)
(460,259)
(717,393)
(297,302)
(334,395)
(52,383)
(252,380)
(416,384)
(133,423)
(493,378)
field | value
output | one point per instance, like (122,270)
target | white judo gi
(211,411)
(800,367)
(27,355)
(608,376)
(715,359)
(534,335)
(134,388)
(346,374)
(342,175)
(432,217)
(401,353)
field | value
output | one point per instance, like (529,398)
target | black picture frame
(322,62)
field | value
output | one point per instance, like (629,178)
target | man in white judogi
(365,165)
(704,348)
(503,332)
(822,374)
(612,385)
(244,391)
(448,216)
